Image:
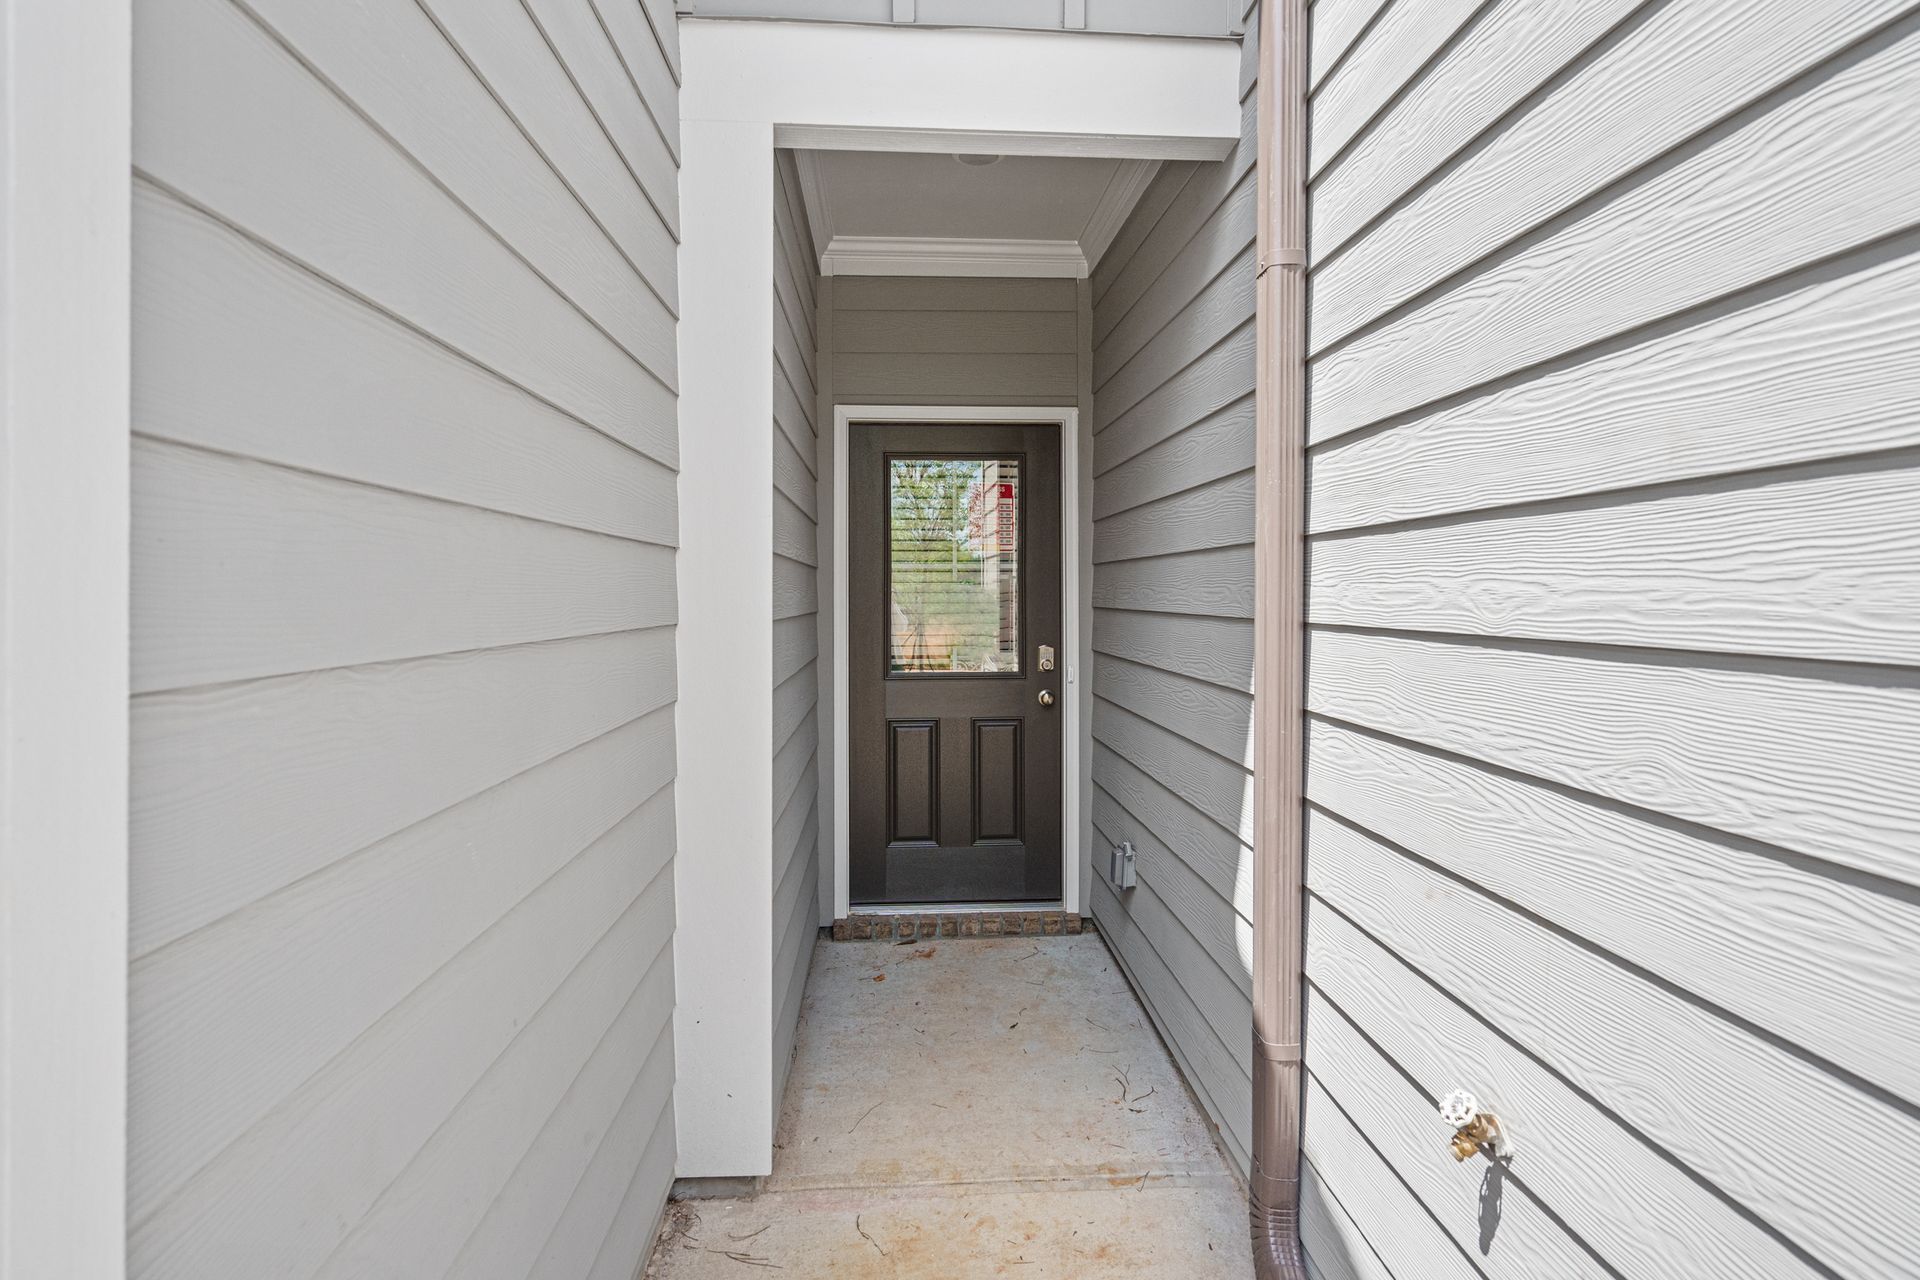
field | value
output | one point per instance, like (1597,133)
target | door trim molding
(846,417)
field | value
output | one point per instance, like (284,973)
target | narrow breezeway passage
(971,1108)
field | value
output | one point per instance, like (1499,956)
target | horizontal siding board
(795,645)
(1832,768)
(1217,650)
(1785,184)
(793,698)
(282,1199)
(1223,376)
(218,101)
(1226,937)
(794,589)
(1611,1035)
(1216,786)
(1216,583)
(420,1221)
(1211,275)
(229,1022)
(1345,1183)
(793,761)
(1146,214)
(1214,1070)
(243,352)
(1335,26)
(795,536)
(1665,80)
(1809,957)
(1205,714)
(951,293)
(645,63)
(248,570)
(502,1244)
(793,474)
(1399,43)
(1211,449)
(242,789)
(575,32)
(1209,195)
(909,377)
(1395,1117)
(1210,516)
(1221,307)
(629,1239)
(1824,366)
(1496,64)
(1814,565)
(506,47)
(1609,1181)
(935,332)
(1217,854)
(397,67)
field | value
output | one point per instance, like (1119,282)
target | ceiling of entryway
(882,212)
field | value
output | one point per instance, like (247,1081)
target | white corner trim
(933,256)
(1123,192)
(1001,142)
(813,194)
(1079,657)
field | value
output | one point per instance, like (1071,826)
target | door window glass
(954,564)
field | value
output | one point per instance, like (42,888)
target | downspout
(1279,640)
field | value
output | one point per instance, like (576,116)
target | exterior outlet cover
(1120,865)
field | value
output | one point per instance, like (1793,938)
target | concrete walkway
(965,1108)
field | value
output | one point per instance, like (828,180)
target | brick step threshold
(900,926)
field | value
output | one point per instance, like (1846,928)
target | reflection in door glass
(954,564)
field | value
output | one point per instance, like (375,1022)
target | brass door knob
(1046,697)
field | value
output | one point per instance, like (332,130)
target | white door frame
(846,417)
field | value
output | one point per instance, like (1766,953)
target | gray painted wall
(796,613)
(952,340)
(1173,613)
(1615,652)
(403,654)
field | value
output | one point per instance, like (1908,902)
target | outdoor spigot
(1474,1130)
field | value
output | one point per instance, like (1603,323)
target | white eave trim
(932,256)
(1116,202)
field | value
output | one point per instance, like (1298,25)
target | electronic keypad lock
(1046,657)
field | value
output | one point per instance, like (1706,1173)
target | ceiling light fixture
(976,161)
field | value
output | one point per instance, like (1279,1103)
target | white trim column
(65,215)
(724,1108)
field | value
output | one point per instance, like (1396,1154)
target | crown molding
(934,256)
(813,195)
(1123,192)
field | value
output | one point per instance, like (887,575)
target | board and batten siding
(403,637)
(1172,597)
(796,612)
(1614,658)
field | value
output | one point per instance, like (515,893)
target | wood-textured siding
(403,726)
(942,340)
(1173,613)
(1614,661)
(796,611)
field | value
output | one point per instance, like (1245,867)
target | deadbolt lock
(1046,657)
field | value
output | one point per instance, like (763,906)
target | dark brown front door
(955,663)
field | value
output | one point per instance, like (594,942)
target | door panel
(954,594)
